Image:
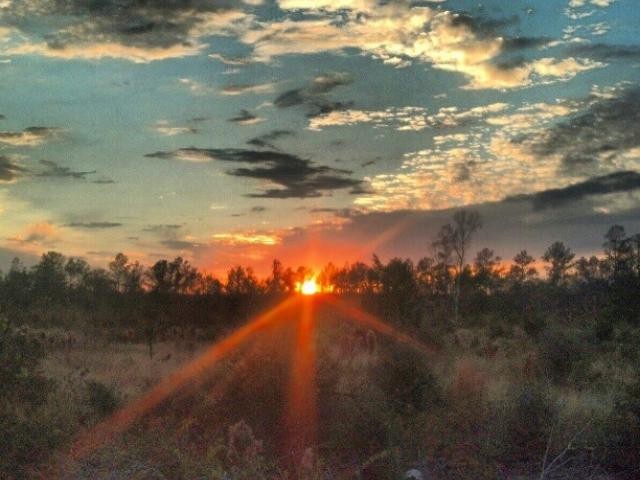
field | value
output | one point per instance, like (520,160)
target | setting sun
(309,287)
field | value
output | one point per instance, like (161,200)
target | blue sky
(235,132)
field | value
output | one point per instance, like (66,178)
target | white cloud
(406,118)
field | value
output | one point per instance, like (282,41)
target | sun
(309,287)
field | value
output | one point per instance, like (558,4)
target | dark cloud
(137,23)
(314,97)
(368,163)
(30,136)
(162,229)
(267,140)
(484,26)
(603,51)
(522,43)
(508,227)
(324,210)
(2,117)
(258,209)
(9,170)
(179,244)
(53,170)
(606,127)
(245,117)
(94,225)
(104,181)
(616,182)
(297,177)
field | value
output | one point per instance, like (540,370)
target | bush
(101,398)
(23,439)
(407,381)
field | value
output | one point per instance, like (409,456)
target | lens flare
(301,413)
(361,317)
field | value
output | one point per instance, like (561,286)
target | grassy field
(479,402)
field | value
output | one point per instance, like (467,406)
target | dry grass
(126,367)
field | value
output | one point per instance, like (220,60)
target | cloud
(314,96)
(258,209)
(104,181)
(93,225)
(245,117)
(138,31)
(233,61)
(42,233)
(286,175)
(268,139)
(244,88)
(195,87)
(598,137)
(163,127)
(407,118)
(398,33)
(613,183)
(246,238)
(175,244)
(29,137)
(603,51)
(53,170)
(162,229)
(9,170)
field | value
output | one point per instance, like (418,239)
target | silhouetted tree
(618,250)
(276,283)
(589,270)
(560,257)
(522,269)
(241,282)
(49,278)
(207,284)
(398,289)
(486,271)
(76,269)
(18,284)
(177,276)
(327,275)
(452,242)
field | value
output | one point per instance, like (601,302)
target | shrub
(23,439)
(101,398)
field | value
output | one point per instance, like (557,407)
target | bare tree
(452,244)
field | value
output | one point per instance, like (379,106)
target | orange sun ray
(388,234)
(301,414)
(123,418)
(362,317)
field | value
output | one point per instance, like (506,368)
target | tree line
(450,284)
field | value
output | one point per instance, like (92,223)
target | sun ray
(124,417)
(388,234)
(301,411)
(363,318)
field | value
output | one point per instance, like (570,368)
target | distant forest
(448,289)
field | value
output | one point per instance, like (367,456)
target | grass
(483,407)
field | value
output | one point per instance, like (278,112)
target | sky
(236,132)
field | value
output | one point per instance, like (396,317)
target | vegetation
(534,376)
